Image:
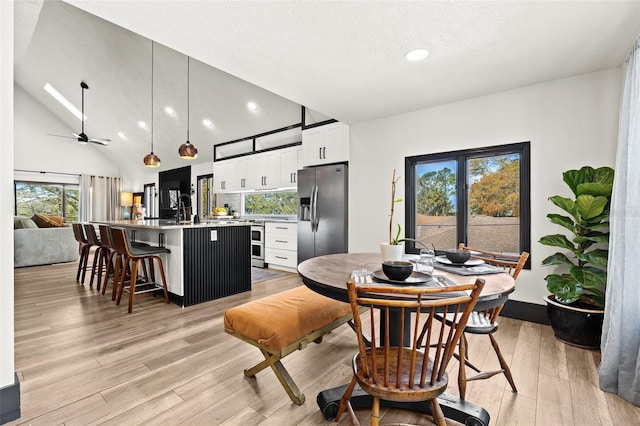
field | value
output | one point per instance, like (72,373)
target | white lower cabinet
(281,244)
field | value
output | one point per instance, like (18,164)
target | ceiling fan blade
(62,136)
(99,141)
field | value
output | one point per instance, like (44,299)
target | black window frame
(461,157)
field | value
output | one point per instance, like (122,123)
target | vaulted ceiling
(344,59)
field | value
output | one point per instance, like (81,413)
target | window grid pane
(493,216)
(435,211)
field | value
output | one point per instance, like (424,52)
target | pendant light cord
(188,104)
(152,96)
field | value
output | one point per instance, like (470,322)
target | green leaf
(556,259)
(595,189)
(589,277)
(557,240)
(564,221)
(565,204)
(564,287)
(597,257)
(573,178)
(589,206)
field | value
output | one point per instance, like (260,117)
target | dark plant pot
(578,324)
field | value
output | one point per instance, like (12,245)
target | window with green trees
(477,196)
(271,203)
(54,199)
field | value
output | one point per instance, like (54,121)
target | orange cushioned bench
(283,323)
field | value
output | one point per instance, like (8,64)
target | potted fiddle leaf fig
(576,304)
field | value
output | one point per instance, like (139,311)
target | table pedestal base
(453,407)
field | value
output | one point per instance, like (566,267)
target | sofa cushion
(23,222)
(45,221)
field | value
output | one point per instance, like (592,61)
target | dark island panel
(218,268)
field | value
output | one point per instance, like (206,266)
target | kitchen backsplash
(233,200)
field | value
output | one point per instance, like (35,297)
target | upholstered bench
(282,323)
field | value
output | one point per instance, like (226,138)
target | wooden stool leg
(123,275)
(108,270)
(462,374)
(503,363)
(436,412)
(162,277)
(375,412)
(346,397)
(134,281)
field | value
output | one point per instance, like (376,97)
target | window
(54,199)
(477,196)
(205,196)
(283,203)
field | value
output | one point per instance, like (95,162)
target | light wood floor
(83,360)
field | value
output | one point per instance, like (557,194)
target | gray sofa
(42,246)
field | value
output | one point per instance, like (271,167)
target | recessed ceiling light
(252,106)
(122,135)
(416,55)
(142,124)
(64,101)
(207,123)
(170,111)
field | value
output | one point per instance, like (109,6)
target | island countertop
(170,224)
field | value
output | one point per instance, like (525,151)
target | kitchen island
(207,260)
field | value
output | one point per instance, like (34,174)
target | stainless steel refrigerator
(322,210)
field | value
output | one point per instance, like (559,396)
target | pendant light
(187,151)
(151,160)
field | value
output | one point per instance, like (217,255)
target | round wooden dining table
(328,276)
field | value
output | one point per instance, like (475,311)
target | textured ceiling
(343,59)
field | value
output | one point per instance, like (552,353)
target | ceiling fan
(82,137)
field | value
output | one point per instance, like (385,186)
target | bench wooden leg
(281,373)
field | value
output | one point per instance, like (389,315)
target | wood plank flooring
(82,360)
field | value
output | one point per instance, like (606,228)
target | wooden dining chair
(486,321)
(415,368)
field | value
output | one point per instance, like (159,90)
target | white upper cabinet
(325,144)
(241,179)
(263,171)
(289,167)
(220,177)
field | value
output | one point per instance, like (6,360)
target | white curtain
(84,209)
(620,366)
(100,198)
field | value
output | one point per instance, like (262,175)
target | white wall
(570,123)
(7,359)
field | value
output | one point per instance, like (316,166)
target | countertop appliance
(322,210)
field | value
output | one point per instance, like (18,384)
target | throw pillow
(44,221)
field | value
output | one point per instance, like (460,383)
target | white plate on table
(471,262)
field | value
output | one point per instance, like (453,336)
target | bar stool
(84,248)
(107,245)
(99,256)
(136,256)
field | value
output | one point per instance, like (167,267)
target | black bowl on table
(458,256)
(397,270)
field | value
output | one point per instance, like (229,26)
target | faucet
(178,211)
(182,206)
